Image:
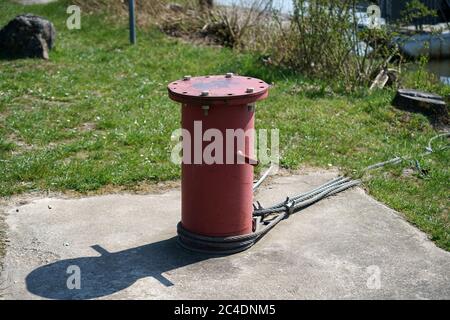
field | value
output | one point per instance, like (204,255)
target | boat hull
(434,46)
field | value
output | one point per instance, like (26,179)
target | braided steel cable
(233,244)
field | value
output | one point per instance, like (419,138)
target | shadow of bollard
(111,272)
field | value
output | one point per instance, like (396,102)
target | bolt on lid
(225,89)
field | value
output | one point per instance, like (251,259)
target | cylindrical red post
(218,116)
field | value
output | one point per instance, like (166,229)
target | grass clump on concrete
(97,115)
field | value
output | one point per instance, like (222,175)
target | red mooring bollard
(217,197)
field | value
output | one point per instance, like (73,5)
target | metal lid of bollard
(219,89)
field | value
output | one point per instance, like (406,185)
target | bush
(239,26)
(324,41)
(320,40)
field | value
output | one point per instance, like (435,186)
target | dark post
(132,22)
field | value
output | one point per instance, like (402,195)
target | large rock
(27,36)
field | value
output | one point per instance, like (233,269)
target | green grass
(97,114)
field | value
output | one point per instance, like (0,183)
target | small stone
(66,244)
(408,172)
(49,207)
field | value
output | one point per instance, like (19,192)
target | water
(441,68)
(285,6)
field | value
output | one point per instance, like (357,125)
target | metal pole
(132,22)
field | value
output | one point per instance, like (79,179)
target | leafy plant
(324,40)
(415,10)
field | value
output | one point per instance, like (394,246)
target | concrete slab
(348,246)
